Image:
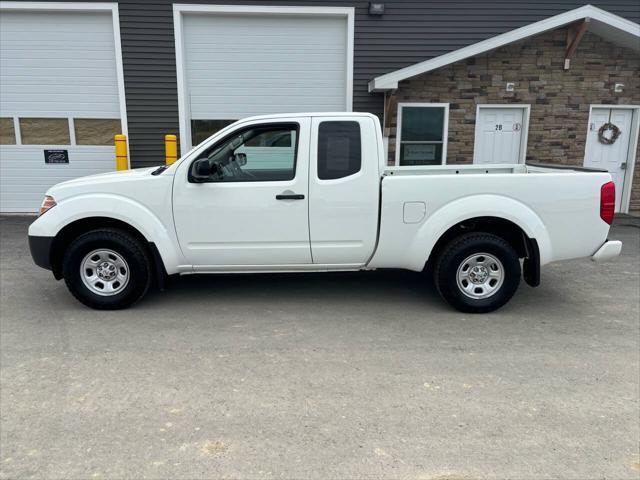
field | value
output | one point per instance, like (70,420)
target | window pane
(7,132)
(44,131)
(203,129)
(258,154)
(420,154)
(422,124)
(271,139)
(95,131)
(339,149)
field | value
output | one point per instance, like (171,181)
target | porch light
(376,8)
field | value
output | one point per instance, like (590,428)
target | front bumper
(610,249)
(40,248)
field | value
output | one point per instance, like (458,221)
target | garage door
(59,101)
(242,64)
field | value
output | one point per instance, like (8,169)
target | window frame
(72,131)
(445,131)
(239,130)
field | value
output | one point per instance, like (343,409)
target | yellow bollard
(171,148)
(122,162)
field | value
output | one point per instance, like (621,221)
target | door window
(7,131)
(339,149)
(203,129)
(45,131)
(422,134)
(257,154)
(96,131)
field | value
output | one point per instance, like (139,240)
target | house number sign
(516,127)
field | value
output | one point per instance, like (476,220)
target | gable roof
(607,25)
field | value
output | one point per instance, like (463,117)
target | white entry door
(499,135)
(612,158)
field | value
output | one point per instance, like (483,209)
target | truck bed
(559,207)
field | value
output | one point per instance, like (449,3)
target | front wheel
(107,269)
(477,272)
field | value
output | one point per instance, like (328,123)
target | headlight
(47,204)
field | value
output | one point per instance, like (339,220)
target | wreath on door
(608,133)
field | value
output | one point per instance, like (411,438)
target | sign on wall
(56,156)
(419,152)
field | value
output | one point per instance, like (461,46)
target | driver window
(260,153)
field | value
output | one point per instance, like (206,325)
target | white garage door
(242,64)
(59,101)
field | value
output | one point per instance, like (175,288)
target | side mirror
(201,170)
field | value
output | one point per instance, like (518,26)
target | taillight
(607,202)
(47,204)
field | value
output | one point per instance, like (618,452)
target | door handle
(290,196)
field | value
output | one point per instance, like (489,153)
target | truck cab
(294,192)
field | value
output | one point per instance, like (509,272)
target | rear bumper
(610,249)
(40,248)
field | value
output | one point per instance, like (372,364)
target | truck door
(253,208)
(343,190)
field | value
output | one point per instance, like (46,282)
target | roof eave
(379,85)
(390,80)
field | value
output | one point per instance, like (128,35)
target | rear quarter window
(339,149)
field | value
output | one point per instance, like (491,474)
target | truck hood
(106,177)
(130,183)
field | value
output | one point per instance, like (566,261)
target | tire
(477,272)
(107,269)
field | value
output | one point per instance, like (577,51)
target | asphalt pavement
(321,376)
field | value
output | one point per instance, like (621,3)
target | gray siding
(410,31)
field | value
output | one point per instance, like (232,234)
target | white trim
(445,129)
(266,9)
(184,112)
(524,138)
(111,8)
(16,130)
(631,153)
(180,8)
(81,6)
(72,131)
(390,80)
(115,15)
(349,69)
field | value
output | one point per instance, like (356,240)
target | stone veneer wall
(559,98)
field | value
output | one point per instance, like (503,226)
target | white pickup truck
(312,193)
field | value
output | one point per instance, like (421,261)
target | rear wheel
(477,272)
(107,269)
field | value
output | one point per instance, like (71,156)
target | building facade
(548,115)
(73,74)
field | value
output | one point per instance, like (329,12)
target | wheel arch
(503,216)
(509,231)
(80,226)
(87,211)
